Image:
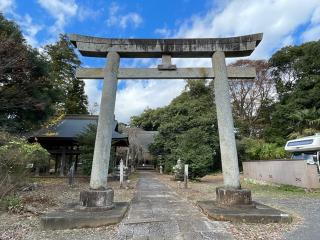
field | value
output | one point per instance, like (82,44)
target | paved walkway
(157,212)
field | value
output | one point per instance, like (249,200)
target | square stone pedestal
(236,205)
(96,209)
(100,199)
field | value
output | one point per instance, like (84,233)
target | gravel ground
(302,205)
(308,209)
(54,193)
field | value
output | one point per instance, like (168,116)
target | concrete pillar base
(100,199)
(228,196)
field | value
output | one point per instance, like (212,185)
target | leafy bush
(12,204)
(87,141)
(193,149)
(15,154)
(258,149)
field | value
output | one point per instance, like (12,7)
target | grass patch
(289,188)
(134,176)
(12,204)
(278,190)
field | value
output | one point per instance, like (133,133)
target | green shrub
(257,149)
(36,154)
(290,188)
(12,204)
(15,154)
(87,141)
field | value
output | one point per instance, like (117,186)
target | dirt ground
(50,194)
(53,193)
(275,196)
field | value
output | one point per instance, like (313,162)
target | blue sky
(283,22)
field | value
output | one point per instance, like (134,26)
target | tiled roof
(73,125)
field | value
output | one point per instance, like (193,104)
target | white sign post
(186,173)
(121,173)
(161,170)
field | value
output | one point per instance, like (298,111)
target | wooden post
(37,171)
(127,157)
(49,165)
(76,163)
(56,164)
(63,161)
(186,174)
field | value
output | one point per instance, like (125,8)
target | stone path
(157,212)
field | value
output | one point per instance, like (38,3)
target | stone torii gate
(217,49)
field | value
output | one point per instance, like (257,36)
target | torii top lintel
(154,48)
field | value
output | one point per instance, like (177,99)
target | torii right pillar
(231,193)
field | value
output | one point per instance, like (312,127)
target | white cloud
(163,32)
(312,34)
(30,29)
(278,20)
(133,18)
(122,20)
(92,91)
(61,10)
(313,31)
(138,95)
(85,13)
(6,5)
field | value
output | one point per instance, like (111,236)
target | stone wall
(284,171)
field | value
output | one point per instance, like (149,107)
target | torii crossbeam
(215,48)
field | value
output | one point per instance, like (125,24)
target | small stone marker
(161,170)
(121,173)
(186,174)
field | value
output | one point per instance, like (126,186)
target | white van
(307,148)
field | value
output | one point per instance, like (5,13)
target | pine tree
(64,62)
(76,102)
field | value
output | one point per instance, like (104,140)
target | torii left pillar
(99,194)
(231,193)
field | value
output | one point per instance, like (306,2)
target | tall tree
(63,64)
(296,71)
(27,95)
(187,129)
(252,98)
